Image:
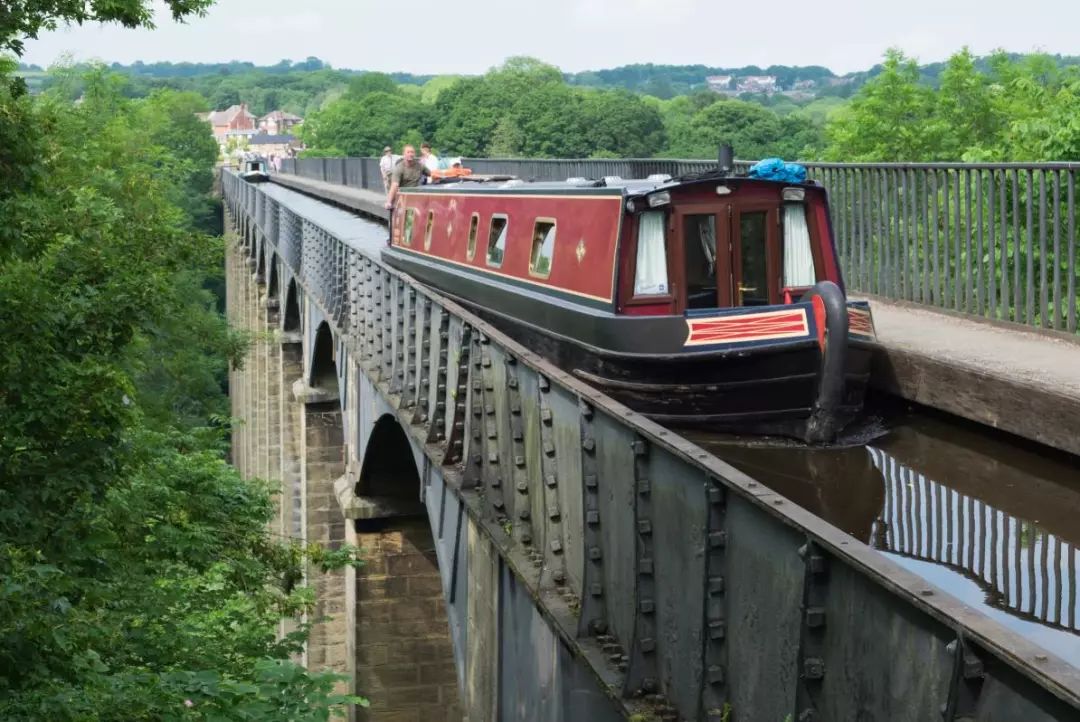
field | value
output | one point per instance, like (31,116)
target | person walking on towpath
(407,174)
(386,167)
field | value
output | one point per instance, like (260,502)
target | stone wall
(404,662)
(384,624)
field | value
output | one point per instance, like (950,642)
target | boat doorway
(730,256)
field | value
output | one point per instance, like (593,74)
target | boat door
(730,255)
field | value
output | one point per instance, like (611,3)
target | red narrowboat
(714,299)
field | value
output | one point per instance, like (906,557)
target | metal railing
(657,564)
(990,240)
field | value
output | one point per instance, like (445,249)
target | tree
(468,113)
(26,18)
(507,140)
(139,578)
(225,96)
(365,126)
(753,131)
(367,83)
(430,90)
(964,120)
(620,123)
(889,119)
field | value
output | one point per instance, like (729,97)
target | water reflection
(976,508)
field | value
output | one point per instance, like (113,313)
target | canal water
(992,520)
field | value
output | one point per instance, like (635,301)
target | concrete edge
(1022,408)
(355,199)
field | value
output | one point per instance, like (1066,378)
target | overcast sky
(470,36)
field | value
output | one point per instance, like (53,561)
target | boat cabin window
(651,277)
(798,257)
(428,228)
(496,240)
(410,220)
(543,247)
(699,247)
(474,226)
(753,249)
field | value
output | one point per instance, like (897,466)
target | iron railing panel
(715,590)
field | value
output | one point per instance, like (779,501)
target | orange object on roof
(451,173)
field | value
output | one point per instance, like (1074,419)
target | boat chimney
(727,159)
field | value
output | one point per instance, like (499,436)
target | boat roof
(609,185)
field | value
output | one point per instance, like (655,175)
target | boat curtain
(651,277)
(798,259)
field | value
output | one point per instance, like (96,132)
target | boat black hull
(795,388)
(767,390)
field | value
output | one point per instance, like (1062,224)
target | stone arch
(324,375)
(272,282)
(260,259)
(389,467)
(291,318)
(402,572)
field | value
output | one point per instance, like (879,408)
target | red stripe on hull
(745,328)
(860,322)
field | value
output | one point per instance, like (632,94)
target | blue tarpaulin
(776,169)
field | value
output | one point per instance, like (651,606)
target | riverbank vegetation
(137,577)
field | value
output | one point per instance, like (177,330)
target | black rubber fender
(825,422)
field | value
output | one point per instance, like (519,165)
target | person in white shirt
(429,159)
(386,167)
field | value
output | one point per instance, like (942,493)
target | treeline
(667,81)
(137,577)
(1002,108)
(526,108)
(298,91)
(999,108)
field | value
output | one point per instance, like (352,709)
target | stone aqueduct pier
(536,551)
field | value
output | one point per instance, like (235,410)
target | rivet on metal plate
(813,668)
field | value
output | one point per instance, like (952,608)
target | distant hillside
(163,70)
(303,86)
(666,81)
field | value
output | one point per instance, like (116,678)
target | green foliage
(26,18)
(370,83)
(1002,109)
(622,124)
(364,126)
(429,92)
(666,81)
(889,119)
(525,108)
(755,132)
(137,578)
